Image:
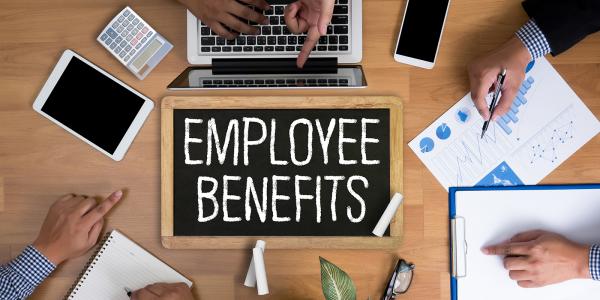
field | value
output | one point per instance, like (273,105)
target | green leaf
(336,284)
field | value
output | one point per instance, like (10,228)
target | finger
(479,90)
(519,275)
(86,205)
(325,17)
(101,209)
(527,236)
(237,25)
(506,100)
(309,43)
(262,4)
(95,232)
(219,29)
(508,249)
(294,23)
(528,284)
(157,288)
(247,13)
(144,294)
(516,263)
(66,197)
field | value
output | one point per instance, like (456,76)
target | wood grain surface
(39,161)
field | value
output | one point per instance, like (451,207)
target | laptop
(268,60)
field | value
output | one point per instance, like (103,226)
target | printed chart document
(546,124)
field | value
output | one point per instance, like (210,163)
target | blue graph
(426,145)
(549,150)
(502,175)
(443,131)
(511,116)
(463,115)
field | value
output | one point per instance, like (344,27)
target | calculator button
(132,52)
(119,39)
(126,13)
(127,58)
(144,40)
(108,41)
(134,42)
(103,36)
(121,18)
(117,50)
(127,48)
(139,36)
(134,31)
(129,37)
(124,33)
(140,26)
(130,17)
(138,46)
(111,33)
(130,28)
(149,33)
(123,44)
(135,21)
(115,25)
(122,54)
(145,30)
(120,29)
(125,23)
(113,45)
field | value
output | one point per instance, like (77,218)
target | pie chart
(443,131)
(426,144)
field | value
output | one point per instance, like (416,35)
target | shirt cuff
(32,266)
(595,262)
(534,39)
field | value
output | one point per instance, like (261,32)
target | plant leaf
(336,284)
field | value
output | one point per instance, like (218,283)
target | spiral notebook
(120,264)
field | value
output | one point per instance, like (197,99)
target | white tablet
(93,105)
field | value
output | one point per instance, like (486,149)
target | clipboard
(458,244)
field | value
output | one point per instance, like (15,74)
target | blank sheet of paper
(495,216)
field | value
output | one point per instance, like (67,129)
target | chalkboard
(280,172)
(186,225)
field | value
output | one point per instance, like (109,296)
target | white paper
(493,217)
(546,130)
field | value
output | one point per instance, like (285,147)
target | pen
(128,291)
(499,84)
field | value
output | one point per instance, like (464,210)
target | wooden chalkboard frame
(170,103)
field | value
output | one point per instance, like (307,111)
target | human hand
(219,14)
(164,291)
(538,258)
(311,16)
(72,226)
(483,73)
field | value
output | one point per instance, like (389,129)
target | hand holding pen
(499,84)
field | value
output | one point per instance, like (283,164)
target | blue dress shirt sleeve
(21,276)
(534,39)
(595,262)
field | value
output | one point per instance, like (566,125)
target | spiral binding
(89,266)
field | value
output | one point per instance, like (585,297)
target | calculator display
(148,52)
(92,105)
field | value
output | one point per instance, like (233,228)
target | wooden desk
(39,161)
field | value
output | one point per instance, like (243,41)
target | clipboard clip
(458,247)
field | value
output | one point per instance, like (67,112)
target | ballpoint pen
(499,84)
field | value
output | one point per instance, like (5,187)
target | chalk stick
(261,274)
(388,214)
(251,275)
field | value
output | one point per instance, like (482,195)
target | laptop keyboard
(275,38)
(275,82)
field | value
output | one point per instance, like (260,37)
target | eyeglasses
(400,280)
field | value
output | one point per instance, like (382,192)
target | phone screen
(422,28)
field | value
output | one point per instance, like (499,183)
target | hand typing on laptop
(223,16)
(538,258)
(311,16)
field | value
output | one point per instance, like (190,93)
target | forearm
(595,262)
(20,277)
(564,22)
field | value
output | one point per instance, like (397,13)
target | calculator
(134,43)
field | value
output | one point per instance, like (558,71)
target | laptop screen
(203,78)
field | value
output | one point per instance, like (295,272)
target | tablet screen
(92,105)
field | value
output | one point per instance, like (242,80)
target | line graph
(547,145)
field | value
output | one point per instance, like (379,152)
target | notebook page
(494,216)
(122,264)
